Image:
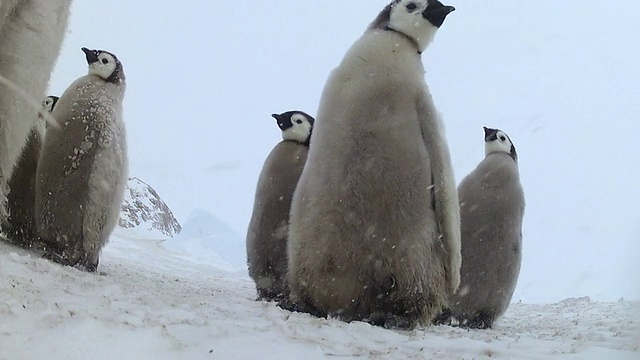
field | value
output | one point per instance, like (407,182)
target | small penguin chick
(48,104)
(496,140)
(295,125)
(407,17)
(21,224)
(105,65)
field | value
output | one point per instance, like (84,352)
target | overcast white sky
(561,78)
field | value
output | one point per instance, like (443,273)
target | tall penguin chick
(268,228)
(492,210)
(20,226)
(31,36)
(374,229)
(82,171)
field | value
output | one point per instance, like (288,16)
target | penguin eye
(502,138)
(411,6)
(105,61)
(298,121)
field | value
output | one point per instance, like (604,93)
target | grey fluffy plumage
(20,226)
(31,35)
(492,210)
(364,241)
(268,227)
(82,171)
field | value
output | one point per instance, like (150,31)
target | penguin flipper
(447,208)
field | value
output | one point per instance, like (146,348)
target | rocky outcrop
(144,210)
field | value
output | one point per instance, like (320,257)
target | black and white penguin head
(105,65)
(496,140)
(295,126)
(49,103)
(418,19)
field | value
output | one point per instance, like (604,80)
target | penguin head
(419,20)
(49,103)
(104,65)
(295,126)
(496,140)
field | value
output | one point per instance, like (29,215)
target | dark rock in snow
(143,209)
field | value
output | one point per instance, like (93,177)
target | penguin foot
(270,295)
(392,321)
(444,318)
(482,320)
(56,257)
(289,305)
(61,258)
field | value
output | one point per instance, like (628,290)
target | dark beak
(489,134)
(92,55)
(283,122)
(437,14)
(276,116)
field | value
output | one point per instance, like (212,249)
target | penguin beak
(280,120)
(92,55)
(489,134)
(437,13)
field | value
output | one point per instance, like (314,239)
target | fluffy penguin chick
(31,35)
(365,239)
(82,171)
(267,234)
(492,210)
(20,227)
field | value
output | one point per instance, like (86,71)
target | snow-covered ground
(149,301)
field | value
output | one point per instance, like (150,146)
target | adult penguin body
(20,226)
(492,211)
(31,36)
(82,171)
(374,230)
(268,228)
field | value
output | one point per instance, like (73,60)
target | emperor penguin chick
(492,210)
(21,225)
(374,230)
(82,171)
(31,36)
(268,228)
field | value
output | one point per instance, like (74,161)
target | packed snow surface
(148,301)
